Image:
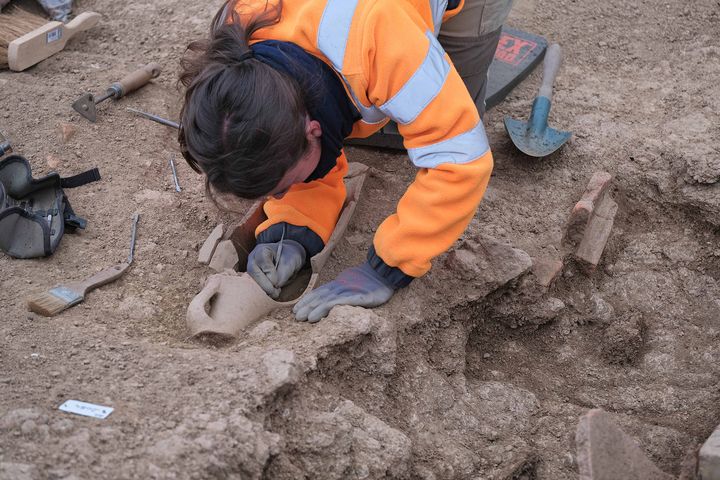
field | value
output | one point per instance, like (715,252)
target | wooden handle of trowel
(137,79)
(553,59)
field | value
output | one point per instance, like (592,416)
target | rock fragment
(281,370)
(225,257)
(709,461)
(53,161)
(66,131)
(263,329)
(350,443)
(601,312)
(487,264)
(605,452)
(546,270)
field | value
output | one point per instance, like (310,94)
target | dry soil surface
(460,376)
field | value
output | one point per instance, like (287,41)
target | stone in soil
(488,265)
(709,462)
(225,257)
(547,270)
(67,131)
(601,312)
(605,452)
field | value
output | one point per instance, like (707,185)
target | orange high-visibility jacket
(388,57)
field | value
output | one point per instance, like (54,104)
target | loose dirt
(461,375)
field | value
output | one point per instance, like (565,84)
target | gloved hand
(361,286)
(264,257)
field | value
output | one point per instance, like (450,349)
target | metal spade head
(534,137)
(85,106)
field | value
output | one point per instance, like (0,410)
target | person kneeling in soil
(277,87)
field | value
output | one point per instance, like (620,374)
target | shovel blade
(85,106)
(535,143)
(535,137)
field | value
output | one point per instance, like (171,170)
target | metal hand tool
(535,137)
(155,118)
(280,247)
(174,172)
(87,104)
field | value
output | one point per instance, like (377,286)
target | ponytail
(242,122)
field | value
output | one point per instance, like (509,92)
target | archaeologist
(278,86)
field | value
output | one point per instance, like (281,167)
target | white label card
(54,35)
(86,409)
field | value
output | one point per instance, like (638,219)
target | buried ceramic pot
(231,301)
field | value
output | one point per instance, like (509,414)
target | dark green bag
(34,213)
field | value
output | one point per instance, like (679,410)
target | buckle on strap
(72,221)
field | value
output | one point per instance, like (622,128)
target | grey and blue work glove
(271,272)
(361,286)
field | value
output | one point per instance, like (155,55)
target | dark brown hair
(242,122)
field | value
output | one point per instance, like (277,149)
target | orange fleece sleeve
(315,204)
(439,204)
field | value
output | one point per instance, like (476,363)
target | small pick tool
(535,137)
(87,104)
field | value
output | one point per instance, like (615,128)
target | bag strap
(72,221)
(89,176)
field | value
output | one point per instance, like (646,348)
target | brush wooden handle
(137,79)
(82,22)
(99,279)
(43,42)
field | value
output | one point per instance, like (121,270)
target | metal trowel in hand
(535,137)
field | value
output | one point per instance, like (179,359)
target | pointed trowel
(87,104)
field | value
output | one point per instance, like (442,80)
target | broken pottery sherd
(208,248)
(590,223)
(605,452)
(231,301)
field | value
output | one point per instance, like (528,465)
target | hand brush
(14,23)
(65,296)
(26,38)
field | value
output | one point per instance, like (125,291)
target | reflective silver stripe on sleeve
(333,33)
(438,8)
(334,30)
(421,88)
(369,114)
(463,148)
